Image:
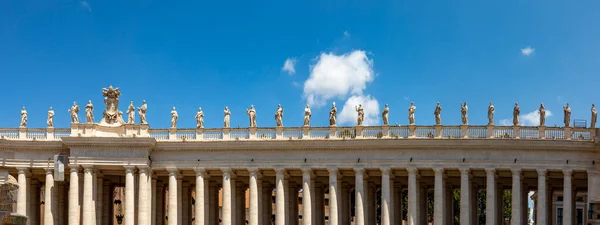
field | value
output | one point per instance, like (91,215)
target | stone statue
(438,113)
(542,113)
(411,113)
(332,115)
(131,113)
(174,118)
(567,119)
(226,117)
(74,111)
(252,115)
(23,117)
(200,118)
(279,116)
(361,114)
(464,111)
(491,110)
(89,112)
(594,117)
(111,115)
(384,115)
(516,112)
(50,120)
(307,115)
(142,111)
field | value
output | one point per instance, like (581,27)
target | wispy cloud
(530,119)
(86,5)
(289,66)
(527,51)
(346,34)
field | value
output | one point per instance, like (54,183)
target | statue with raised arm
(23,117)
(361,114)
(74,111)
(411,113)
(174,118)
(307,115)
(226,117)
(491,110)
(111,115)
(142,111)
(542,112)
(438,114)
(332,115)
(567,111)
(384,115)
(131,113)
(89,112)
(279,116)
(251,115)
(516,112)
(594,117)
(50,120)
(464,112)
(200,118)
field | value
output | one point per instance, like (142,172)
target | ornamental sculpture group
(113,117)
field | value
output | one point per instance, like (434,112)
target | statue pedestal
(333,132)
(252,132)
(173,133)
(438,131)
(50,133)
(517,132)
(490,130)
(464,131)
(305,132)
(278,132)
(358,131)
(567,134)
(385,131)
(117,130)
(542,132)
(226,132)
(412,131)
(200,133)
(22,132)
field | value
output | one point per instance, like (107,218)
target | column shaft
(173,216)
(254,201)
(567,198)
(516,214)
(306,196)
(359,189)
(201,217)
(74,197)
(88,196)
(280,197)
(386,197)
(99,200)
(439,191)
(541,201)
(490,195)
(23,192)
(49,206)
(334,202)
(129,196)
(345,202)
(465,197)
(226,210)
(413,202)
(143,197)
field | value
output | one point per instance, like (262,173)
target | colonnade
(89,201)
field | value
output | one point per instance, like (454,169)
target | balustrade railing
(451,132)
(187,134)
(213,134)
(61,132)
(503,132)
(293,133)
(373,132)
(266,134)
(477,132)
(10,133)
(530,132)
(159,134)
(399,132)
(555,133)
(580,135)
(239,133)
(36,133)
(346,132)
(425,132)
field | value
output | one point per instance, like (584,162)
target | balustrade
(477,132)
(425,132)
(373,132)
(555,133)
(503,132)
(399,132)
(530,133)
(293,133)
(451,132)
(319,133)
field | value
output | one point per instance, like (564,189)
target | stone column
(200,208)
(173,215)
(541,201)
(280,196)
(334,201)
(516,214)
(306,196)
(345,202)
(359,189)
(88,195)
(143,196)
(465,196)
(22,191)
(253,196)
(568,197)
(129,196)
(490,197)
(49,206)
(179,201)
(226,210)
(439,191)
(386,197)
(74,196)
(413,202)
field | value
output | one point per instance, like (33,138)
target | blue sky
(232,53)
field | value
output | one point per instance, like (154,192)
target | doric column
(129,196)
(465,196)
(413,203)
(172,214)
(143,196)
(88,195)
(568,197)
(179,200)
(74,196)
(386,197)
(200,208)
(439,191)
(541,201)
(23,191)
(306,196)
(516,214)
(359,189)
(334,201)
(490,197)
(253,196)
(280,196)
(226,210)
(49,206)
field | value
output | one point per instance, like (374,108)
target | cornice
(109,142)
(16,145)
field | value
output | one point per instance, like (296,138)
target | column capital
(567,173)
(173,171)
(129,169)
(49,170)
(143,169)
(464,171)
(438,170)
(255,172)
(385,170)
(359,170)
(542,172)
(23,170)
(333,170)
(412,170)
(516,172)
(228,172)
(308,172)
(490,171)
(74,169)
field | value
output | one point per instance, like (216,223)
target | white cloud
(346,34)
(349,116)
(86,5)
(529,119)
(527,51)
(406,98)
(289,66)
(505,122)
(337,76)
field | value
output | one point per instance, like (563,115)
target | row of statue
(89,108)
